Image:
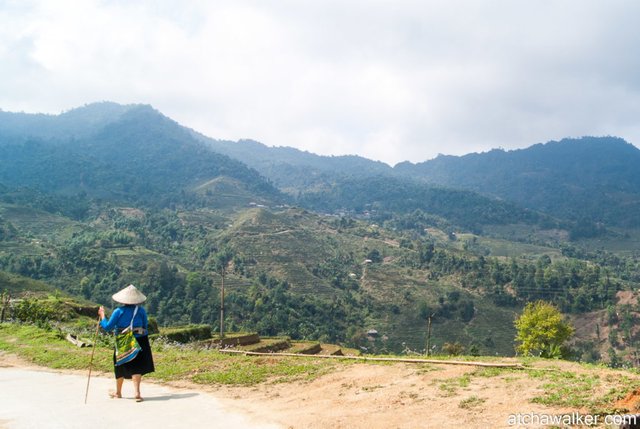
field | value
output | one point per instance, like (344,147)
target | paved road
(38,399)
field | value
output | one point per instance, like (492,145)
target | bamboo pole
(379,359)
(93,350)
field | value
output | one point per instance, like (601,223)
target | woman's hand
(101,312)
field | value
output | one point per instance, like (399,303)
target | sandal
(114,395)
(139,399)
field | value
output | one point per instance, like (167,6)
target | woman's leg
(137,378)
(118,392)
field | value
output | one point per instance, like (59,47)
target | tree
(374,256)
(541,330)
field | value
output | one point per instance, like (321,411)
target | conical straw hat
(129,295)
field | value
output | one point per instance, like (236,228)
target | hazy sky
(389,80)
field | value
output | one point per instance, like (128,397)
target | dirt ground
(371,396)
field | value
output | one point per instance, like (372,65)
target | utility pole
(429,333)
(222,305)
(221,261)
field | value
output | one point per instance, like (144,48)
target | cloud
(386,80)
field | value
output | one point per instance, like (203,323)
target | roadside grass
(49,348)
(173,362)
(588,390)
(591,388)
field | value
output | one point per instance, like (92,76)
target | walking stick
(95,338)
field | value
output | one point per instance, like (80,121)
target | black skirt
(141,364)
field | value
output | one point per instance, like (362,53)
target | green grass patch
(568,389)
(492,371)
(250,370)
(471,402)
(582,390)
(451,386)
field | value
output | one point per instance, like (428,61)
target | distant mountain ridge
(591,178)
(112,151)
(588,181)
(75,123)
(294,170)
(134,151)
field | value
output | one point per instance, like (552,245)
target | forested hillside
(131,154)
(293,170)
(383,197)
(589,180)
(135,154)
(292,272)
(107,195)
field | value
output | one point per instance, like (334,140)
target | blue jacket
(121,318)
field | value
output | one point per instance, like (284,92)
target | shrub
(453,349)
(187,334)
(541,330)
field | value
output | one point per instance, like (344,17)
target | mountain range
(112,151)
(593,180)
(134,151)
(321,246)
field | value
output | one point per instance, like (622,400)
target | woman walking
(131,313)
